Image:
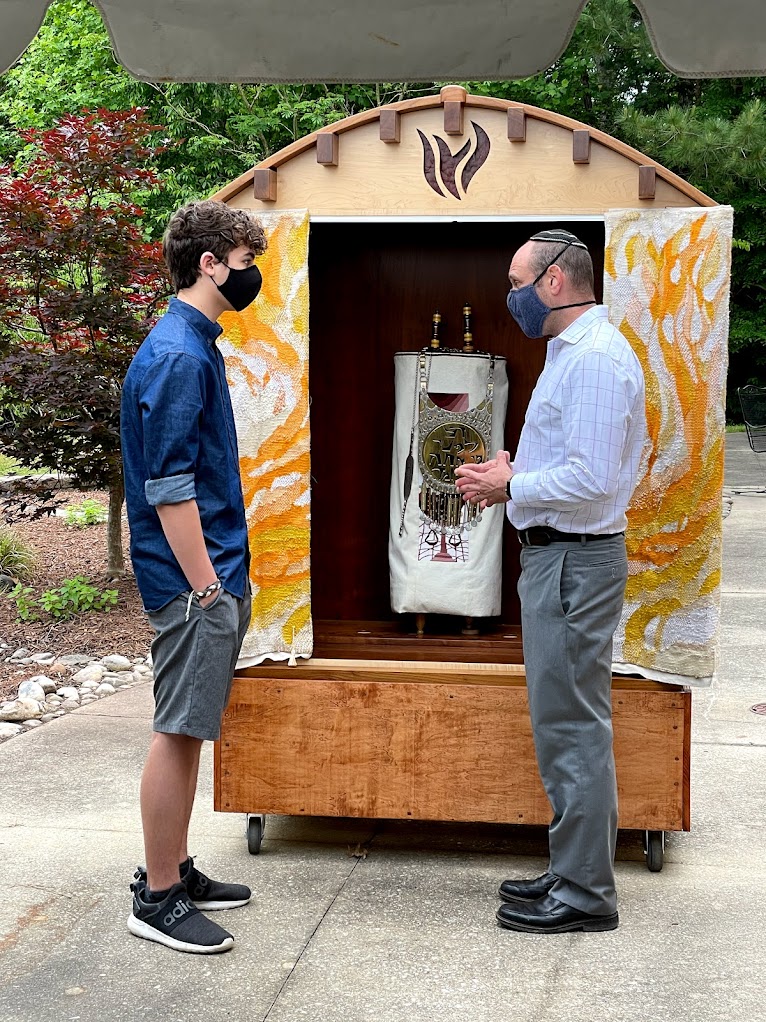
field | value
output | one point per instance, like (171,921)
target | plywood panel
(402,750)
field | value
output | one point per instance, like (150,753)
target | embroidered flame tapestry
(266,351)
(666,283)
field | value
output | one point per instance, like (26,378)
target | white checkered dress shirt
(580,447)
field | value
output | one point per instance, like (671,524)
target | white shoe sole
(218,906)
(141,929)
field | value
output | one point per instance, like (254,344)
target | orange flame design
(266,353)
(666,276)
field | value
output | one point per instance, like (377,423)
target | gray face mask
(527,307)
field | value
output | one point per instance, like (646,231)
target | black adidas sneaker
(176,922)
(208,895)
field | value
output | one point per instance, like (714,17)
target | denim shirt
(179,443)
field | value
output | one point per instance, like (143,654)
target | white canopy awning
(394,40)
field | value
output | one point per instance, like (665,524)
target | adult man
(190,554)
(567,490)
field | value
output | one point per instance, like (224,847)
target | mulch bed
(63,552)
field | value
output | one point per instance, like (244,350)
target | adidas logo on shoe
(179,910)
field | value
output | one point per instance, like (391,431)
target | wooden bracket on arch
(327,148)
(265,184)
(581,145)
(453,100)
(647,182)
(517,124)
(390,125)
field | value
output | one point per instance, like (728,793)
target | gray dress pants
(571,600)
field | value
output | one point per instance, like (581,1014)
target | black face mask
(241,287)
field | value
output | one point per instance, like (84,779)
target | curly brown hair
(207,226)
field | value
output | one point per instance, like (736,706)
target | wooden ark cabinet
(382,722)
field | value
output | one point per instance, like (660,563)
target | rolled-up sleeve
(171,401)
(171,490)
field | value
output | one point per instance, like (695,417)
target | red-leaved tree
(79,291)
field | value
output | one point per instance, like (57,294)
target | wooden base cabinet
(430,741)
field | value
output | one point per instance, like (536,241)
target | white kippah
(559,237)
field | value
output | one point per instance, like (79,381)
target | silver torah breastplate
(447,440)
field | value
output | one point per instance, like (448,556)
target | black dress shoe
(549,915)
(527,890)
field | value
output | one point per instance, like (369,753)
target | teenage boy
(188,543)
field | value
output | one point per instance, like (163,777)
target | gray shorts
(194,662)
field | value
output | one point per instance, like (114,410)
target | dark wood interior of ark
(373,290)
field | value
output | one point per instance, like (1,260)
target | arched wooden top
(455,102)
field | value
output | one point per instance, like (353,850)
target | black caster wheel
(654,849)
(256,823)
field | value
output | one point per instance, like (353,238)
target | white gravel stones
(120,679)
(93,672)
(115,662)
(68,692)
(42,698)
(46,684)
(32,689)
(20,709)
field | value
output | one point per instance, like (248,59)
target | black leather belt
(541,535)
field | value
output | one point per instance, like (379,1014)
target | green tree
(79,296)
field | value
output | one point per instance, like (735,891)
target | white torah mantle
(444,556)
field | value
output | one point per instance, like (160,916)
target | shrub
(25,602)
(17,558)
(74,596)
(89,512)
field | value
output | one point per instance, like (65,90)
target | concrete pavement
(407,933)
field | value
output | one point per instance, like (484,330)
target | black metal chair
(753,402)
